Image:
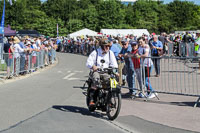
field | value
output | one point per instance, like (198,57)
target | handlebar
(106,70)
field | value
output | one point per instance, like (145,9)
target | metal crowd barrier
(170,49)
(26,63)
(177,76)
(84,49)
(184,49)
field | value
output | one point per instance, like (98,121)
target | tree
(146,15)
(90,18)
(73,15)
(164,23)
(182,14)
(111,15)
(74,25)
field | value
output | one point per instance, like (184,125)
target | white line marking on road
(73,78)
(67,77)
(78,71)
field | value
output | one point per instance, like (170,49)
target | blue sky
(167,1)
(195,1)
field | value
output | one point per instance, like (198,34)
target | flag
(2,20)
(10,2)
(57,31)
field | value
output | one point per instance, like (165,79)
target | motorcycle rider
(94,62)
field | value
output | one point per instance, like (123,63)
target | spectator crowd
(136,56)
(26,54)
(132,51)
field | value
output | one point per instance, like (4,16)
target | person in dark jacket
(187,38)
(8,56)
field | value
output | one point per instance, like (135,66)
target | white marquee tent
(83,32)
(124,32)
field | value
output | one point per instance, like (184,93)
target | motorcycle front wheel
(113,105)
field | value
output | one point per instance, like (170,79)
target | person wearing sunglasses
(130,76)
(94,62)
(146,62)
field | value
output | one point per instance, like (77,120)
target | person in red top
(8,56)
(136,62)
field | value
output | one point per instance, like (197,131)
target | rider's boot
(92,98)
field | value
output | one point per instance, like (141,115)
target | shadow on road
(190,104)
(177,71)
(80,87)
(79,110)
(84,87)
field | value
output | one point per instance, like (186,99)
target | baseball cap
(32,40)
(133,43)
(28,43)
(104,42)
(124,42)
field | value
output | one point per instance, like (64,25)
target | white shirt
(194,36)
(34,53)
(110,61)
(147,61)
(17,50)
(38,42)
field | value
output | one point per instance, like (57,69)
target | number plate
(113,83)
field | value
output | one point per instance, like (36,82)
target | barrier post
(13,65)
(29,63)
(170,49)
(41,59)
(52,55)
(17,66)
(37,60)
(180,48)
(193,50)
(142,79)
(187,49)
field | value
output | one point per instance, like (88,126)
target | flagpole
(2,31)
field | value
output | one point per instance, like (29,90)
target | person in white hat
(35,49)
(28,53)
(17,51)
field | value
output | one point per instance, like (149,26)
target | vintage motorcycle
(107,97)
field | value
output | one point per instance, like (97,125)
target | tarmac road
(52,101)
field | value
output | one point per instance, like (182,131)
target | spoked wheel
(91,109)
(113,105)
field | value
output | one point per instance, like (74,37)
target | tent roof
(124,32)
(83,32)
(8,31)
(33,33)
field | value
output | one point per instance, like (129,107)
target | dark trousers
(156,63)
